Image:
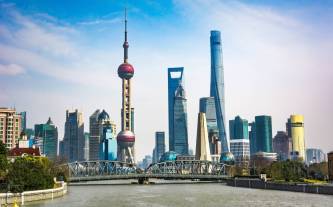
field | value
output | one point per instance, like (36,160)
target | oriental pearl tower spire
(126,138)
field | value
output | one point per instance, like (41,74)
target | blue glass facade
(180,133)
(217,85)
(159,145)
(239,128)
(46,137)
(175,78)
(108,145)
(263,125)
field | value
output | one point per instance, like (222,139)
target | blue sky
(58,55)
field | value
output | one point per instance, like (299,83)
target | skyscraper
(94,140)
(217,85)
(282,145)
(23,121)
(239,141)
(180,133)
(10,127)
(314,156)
(47,136)
(86,145)
(252,137)
(263,125)
(175,78)
(159,145)
(207,106)
(202,151)
(295,130)
(74,136)
(100,138)
(126,138)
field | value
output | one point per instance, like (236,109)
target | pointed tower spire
(125,45)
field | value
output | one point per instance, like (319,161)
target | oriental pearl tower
(126,138)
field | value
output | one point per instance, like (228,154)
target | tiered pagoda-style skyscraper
(126,138)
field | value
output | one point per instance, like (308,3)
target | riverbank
(259,184)
(37,195)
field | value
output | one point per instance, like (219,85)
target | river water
(191,195)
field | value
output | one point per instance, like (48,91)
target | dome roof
(227,158)
(125,71)
(169,156)
(103,116)
(126,136)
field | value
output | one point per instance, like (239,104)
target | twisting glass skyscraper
(217,85)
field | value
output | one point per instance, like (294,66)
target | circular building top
(125,71)
(103,116)
(169,156)
(227,158)
(126,136)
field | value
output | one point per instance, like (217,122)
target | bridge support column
(144,180)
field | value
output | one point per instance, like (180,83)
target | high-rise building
(126,138)
(207,106)
(74,136)
(94,140)
(330,166)
(86,145)
(180,133)
(217,86)
(263,125)
(175,79)
(239,141)
(23,121)
(10,127)
(159,145)
(108,144)
(202,151)
(47,138)
(282,145)
(315,156)
(252,137)
(295,130)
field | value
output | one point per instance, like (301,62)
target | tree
(3,161)
(288,170)
(30,173)
(3,149)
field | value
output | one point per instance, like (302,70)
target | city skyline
(65,86)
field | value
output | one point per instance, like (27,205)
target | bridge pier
(143,180)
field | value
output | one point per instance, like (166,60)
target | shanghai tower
(217,85)
(126,138)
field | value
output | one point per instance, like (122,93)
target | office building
(180,131)
(94,139)
(108,144)
(330,166)
(315,156)
(207,106)
(159,145)
(46,136)
(86,146)
(10,127)
(282,145)
(239,141)
(74,136)
(295,130)
(175,79)
(23,121)
(217,86)
(252,137)
(263,137)
(202,151)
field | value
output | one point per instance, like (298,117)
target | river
(191,195)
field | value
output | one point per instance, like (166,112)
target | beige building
(202,148)
(295,129)
(10,127)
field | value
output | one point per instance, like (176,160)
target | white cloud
(11,69)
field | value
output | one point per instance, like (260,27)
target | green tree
(3,161)
(288,170)
(30,173)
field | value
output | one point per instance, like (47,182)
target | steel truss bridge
(114,170)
